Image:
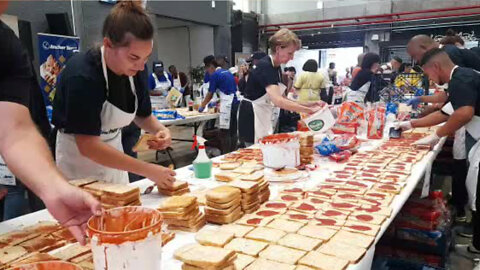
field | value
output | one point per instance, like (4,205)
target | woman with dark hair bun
(103,90)
(361,89)
(310,82)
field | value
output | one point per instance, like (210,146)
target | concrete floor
(184,156)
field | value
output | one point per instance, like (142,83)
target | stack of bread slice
(178,188)
(223,205)
(263,185)
(306,148)
(114,195)
(182,213)
(250,194)
(198,257)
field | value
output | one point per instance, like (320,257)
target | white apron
(226,102)
(359,95)
(176,83)
(473,128)
(459,150)
(6,176)
(74,165)
(162,86)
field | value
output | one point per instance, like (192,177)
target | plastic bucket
(126,238)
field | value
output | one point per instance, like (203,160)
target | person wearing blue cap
(159,81)
(221,81)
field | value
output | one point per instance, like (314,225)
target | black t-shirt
(264,75)
(18,81)
(15,71)
(81,92)
(463,57)
(464,89)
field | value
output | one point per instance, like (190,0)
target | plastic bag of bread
(376,122)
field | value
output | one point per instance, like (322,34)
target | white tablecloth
(186,174)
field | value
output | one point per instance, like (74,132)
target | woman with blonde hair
(264,90)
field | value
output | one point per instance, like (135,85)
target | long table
(186,174)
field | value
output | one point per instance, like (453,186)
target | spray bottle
(202,165)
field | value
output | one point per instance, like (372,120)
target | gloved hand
(414,102)
(404,125)
(430,140)
(201,109)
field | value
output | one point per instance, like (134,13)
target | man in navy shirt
(222,82)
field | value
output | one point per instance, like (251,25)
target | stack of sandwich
(250,194)
(111,195)
(198,257)
(306,148)
(223,205)
(182,213)
(178,188)
(263,185)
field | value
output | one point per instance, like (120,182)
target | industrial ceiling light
(213,3)
(319,4)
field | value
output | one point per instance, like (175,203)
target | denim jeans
(15,203)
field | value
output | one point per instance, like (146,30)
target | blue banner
(53,53)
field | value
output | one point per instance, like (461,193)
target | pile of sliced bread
(109,194)
(223,205)
(182,213)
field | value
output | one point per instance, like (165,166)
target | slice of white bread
(355,239)
(229,165)
(262,264)
(111,189)
(71,252)
(246,246)
(319,232)
(245,186)
(44,243)
(364,228)
(227,266)
(254,220)
(300,242)
(82,182)
(203,256)
(142,143)
(226,176)
(193,228)
(303,267)
(244,170)
(227,205)
(174,193)
(191,222)
(237,229)
(11,253)
(223,194)
(256,176)
(213,238)
(344,251)
(285,225)
(243,261)
(367,218)
(266,234)
(176,203)
(221,212)
(320,261)
(282,254)
(296,216)
(225,219)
